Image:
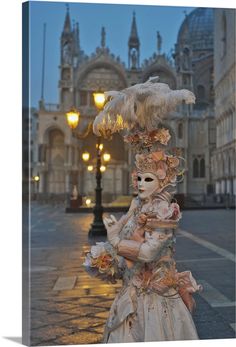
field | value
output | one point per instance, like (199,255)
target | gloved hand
(113,229)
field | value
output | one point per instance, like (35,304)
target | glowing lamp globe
(100,146)
(72,118)
(85,156)
(88,202)
(102,168)
(106,157)
(36,178)
(99,100)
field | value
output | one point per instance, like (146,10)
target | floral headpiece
(165,167)
(141,140)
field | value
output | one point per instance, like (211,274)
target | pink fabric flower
(173,161)
(187,281)
(164,136)
(161,169)
(176,211)
(164,210)
(158,155)
(161,174)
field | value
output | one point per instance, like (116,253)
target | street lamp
(99,99)
(90,168)
(85,156)
(103,168)
(72,117)
(97,227)
(106,157)
(100,146)
(36,179)
(88,202)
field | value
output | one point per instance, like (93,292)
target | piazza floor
(69,307)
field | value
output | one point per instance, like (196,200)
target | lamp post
(36,180)
(97,227)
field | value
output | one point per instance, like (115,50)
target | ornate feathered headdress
(141,106)
(140,110)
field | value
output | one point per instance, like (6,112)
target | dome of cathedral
(197,29)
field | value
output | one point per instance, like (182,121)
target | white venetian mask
(147,184)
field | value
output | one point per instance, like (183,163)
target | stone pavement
(70,307)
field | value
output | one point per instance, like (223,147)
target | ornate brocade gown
(148,306)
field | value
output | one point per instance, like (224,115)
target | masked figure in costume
(155,302)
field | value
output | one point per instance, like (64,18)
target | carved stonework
(82,75)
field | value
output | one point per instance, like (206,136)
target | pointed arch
(195,168)
(202,167)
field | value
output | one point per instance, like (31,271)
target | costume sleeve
(147,251)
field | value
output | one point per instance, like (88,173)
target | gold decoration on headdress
(108,127)
(145,139)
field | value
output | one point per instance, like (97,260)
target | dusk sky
(91,17)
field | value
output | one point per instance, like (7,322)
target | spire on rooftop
(67,23)
(133,38)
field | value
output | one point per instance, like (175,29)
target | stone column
(222,187)
(228,187)
(80,180)
(66,154)
(67,182)
(185,154)
(234,186)
(76,156)
(41,182)
(185,178)
(217,187)
(42,154)
(69,155)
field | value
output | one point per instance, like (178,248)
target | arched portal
(103,76)
(55,159)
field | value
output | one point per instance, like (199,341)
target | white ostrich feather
(142,105)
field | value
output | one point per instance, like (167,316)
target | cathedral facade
(60,165)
